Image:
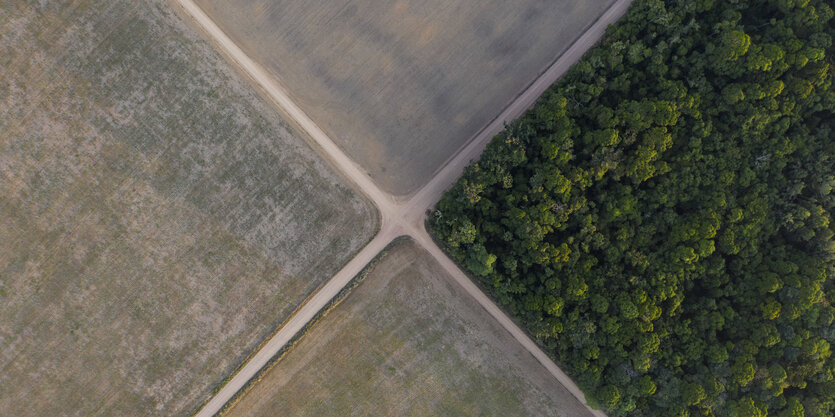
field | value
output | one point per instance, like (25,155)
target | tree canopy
(661,220)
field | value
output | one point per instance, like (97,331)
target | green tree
(661,220)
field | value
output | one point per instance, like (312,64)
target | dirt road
(450,172)
(299,319)
(326,147)
(398,217)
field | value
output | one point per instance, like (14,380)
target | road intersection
(400,215)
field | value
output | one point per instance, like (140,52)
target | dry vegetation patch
(407,341)
(157,221)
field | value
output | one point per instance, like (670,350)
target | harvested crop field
(401,85)
(157,220)
(407,341)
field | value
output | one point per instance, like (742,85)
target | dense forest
(661,220)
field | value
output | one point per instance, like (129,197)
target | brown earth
(408,341)
(157,220)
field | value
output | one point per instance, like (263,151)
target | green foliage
(609,396)
(746,407)
(479,261)
(692,394)
(661,220)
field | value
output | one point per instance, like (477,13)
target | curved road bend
(398,218)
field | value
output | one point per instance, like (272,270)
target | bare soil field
(407,341)
(157,220)
(401,85)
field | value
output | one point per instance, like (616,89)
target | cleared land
(407,341)
(401,85)
(157,221)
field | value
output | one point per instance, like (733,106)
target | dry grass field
(157,220)
(400,85)
(407,342)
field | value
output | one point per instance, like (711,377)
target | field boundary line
(539,75)
(296,323)
(281,98)
(333,303)
(251,354)
(448,173)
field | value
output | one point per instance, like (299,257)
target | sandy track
(405,216)
(299,319)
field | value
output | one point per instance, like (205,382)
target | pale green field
(157,220)
(407,341)
(401,85)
